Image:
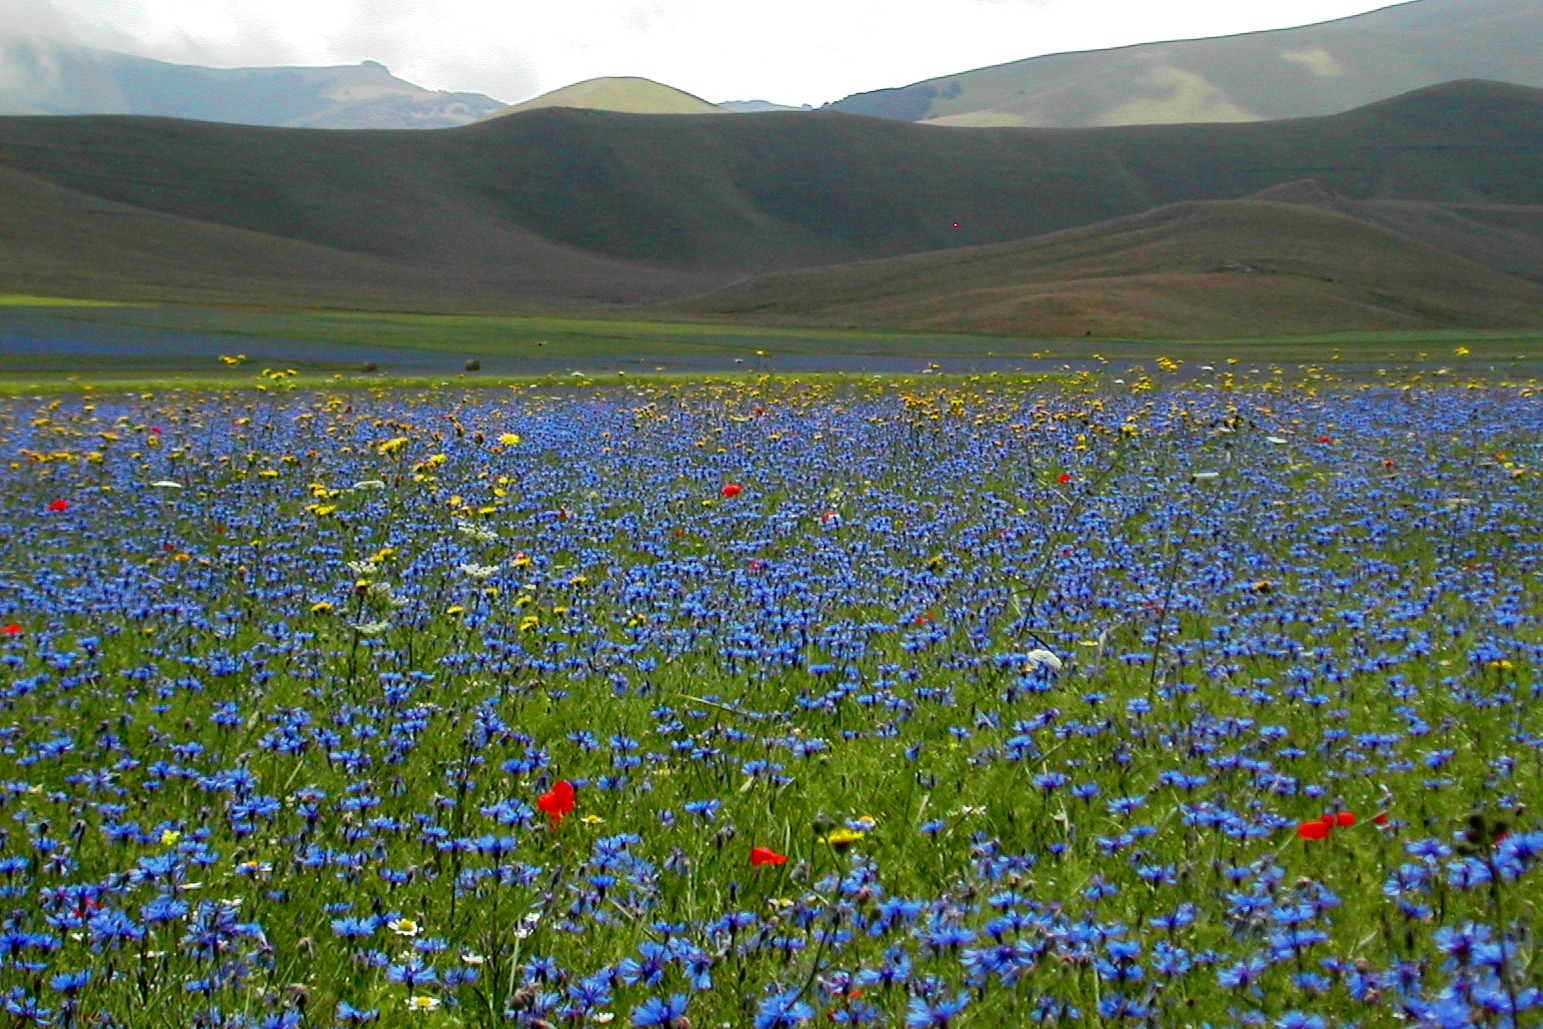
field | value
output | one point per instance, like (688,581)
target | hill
(1290,73)
(58,240)
(559,204)
(45,77)
(1294,263)
(758,106)
(627,94)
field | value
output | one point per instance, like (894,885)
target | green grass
(26,300)
(138,346)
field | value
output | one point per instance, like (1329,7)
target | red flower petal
(59,505)
(14,629)
(1344,818)
(1314,830)
(766,856)
(732,490)
(558,801)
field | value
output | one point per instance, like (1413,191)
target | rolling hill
(560,205)
(44,77)
(1289,73)
(629,94)
(1294,260)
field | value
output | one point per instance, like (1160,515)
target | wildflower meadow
(922,702)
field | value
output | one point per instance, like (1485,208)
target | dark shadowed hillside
(1196,268)
(561,204)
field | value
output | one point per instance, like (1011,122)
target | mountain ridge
(1303,71)
(47,77)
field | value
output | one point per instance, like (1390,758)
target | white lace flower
(473,531)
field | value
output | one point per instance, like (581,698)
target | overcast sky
(792,51)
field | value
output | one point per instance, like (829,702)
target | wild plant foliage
(776,703)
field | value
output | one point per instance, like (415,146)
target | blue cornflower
(1243,973)
(649,969)
(935,1015)
(707,810)
(70,982)
(661,1012)
(350,1015)
(857,1012)
(782,1011)
(355,928)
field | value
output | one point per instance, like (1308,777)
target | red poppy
(1344,818)
(732,490)
(1324,439)
(1064,477)
(59,505)
(1317,829)
(14,629)
(1380,818)
(558,801)
(766,856)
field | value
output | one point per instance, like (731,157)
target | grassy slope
(559,205)
(1312,70)
(1227,268)
(629,94)
(62,240)
(728,196)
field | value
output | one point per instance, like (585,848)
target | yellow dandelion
(844,837)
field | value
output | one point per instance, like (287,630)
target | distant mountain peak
(43,76)
(1311,70)
(629,94)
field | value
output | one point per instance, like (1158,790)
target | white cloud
(798,51)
